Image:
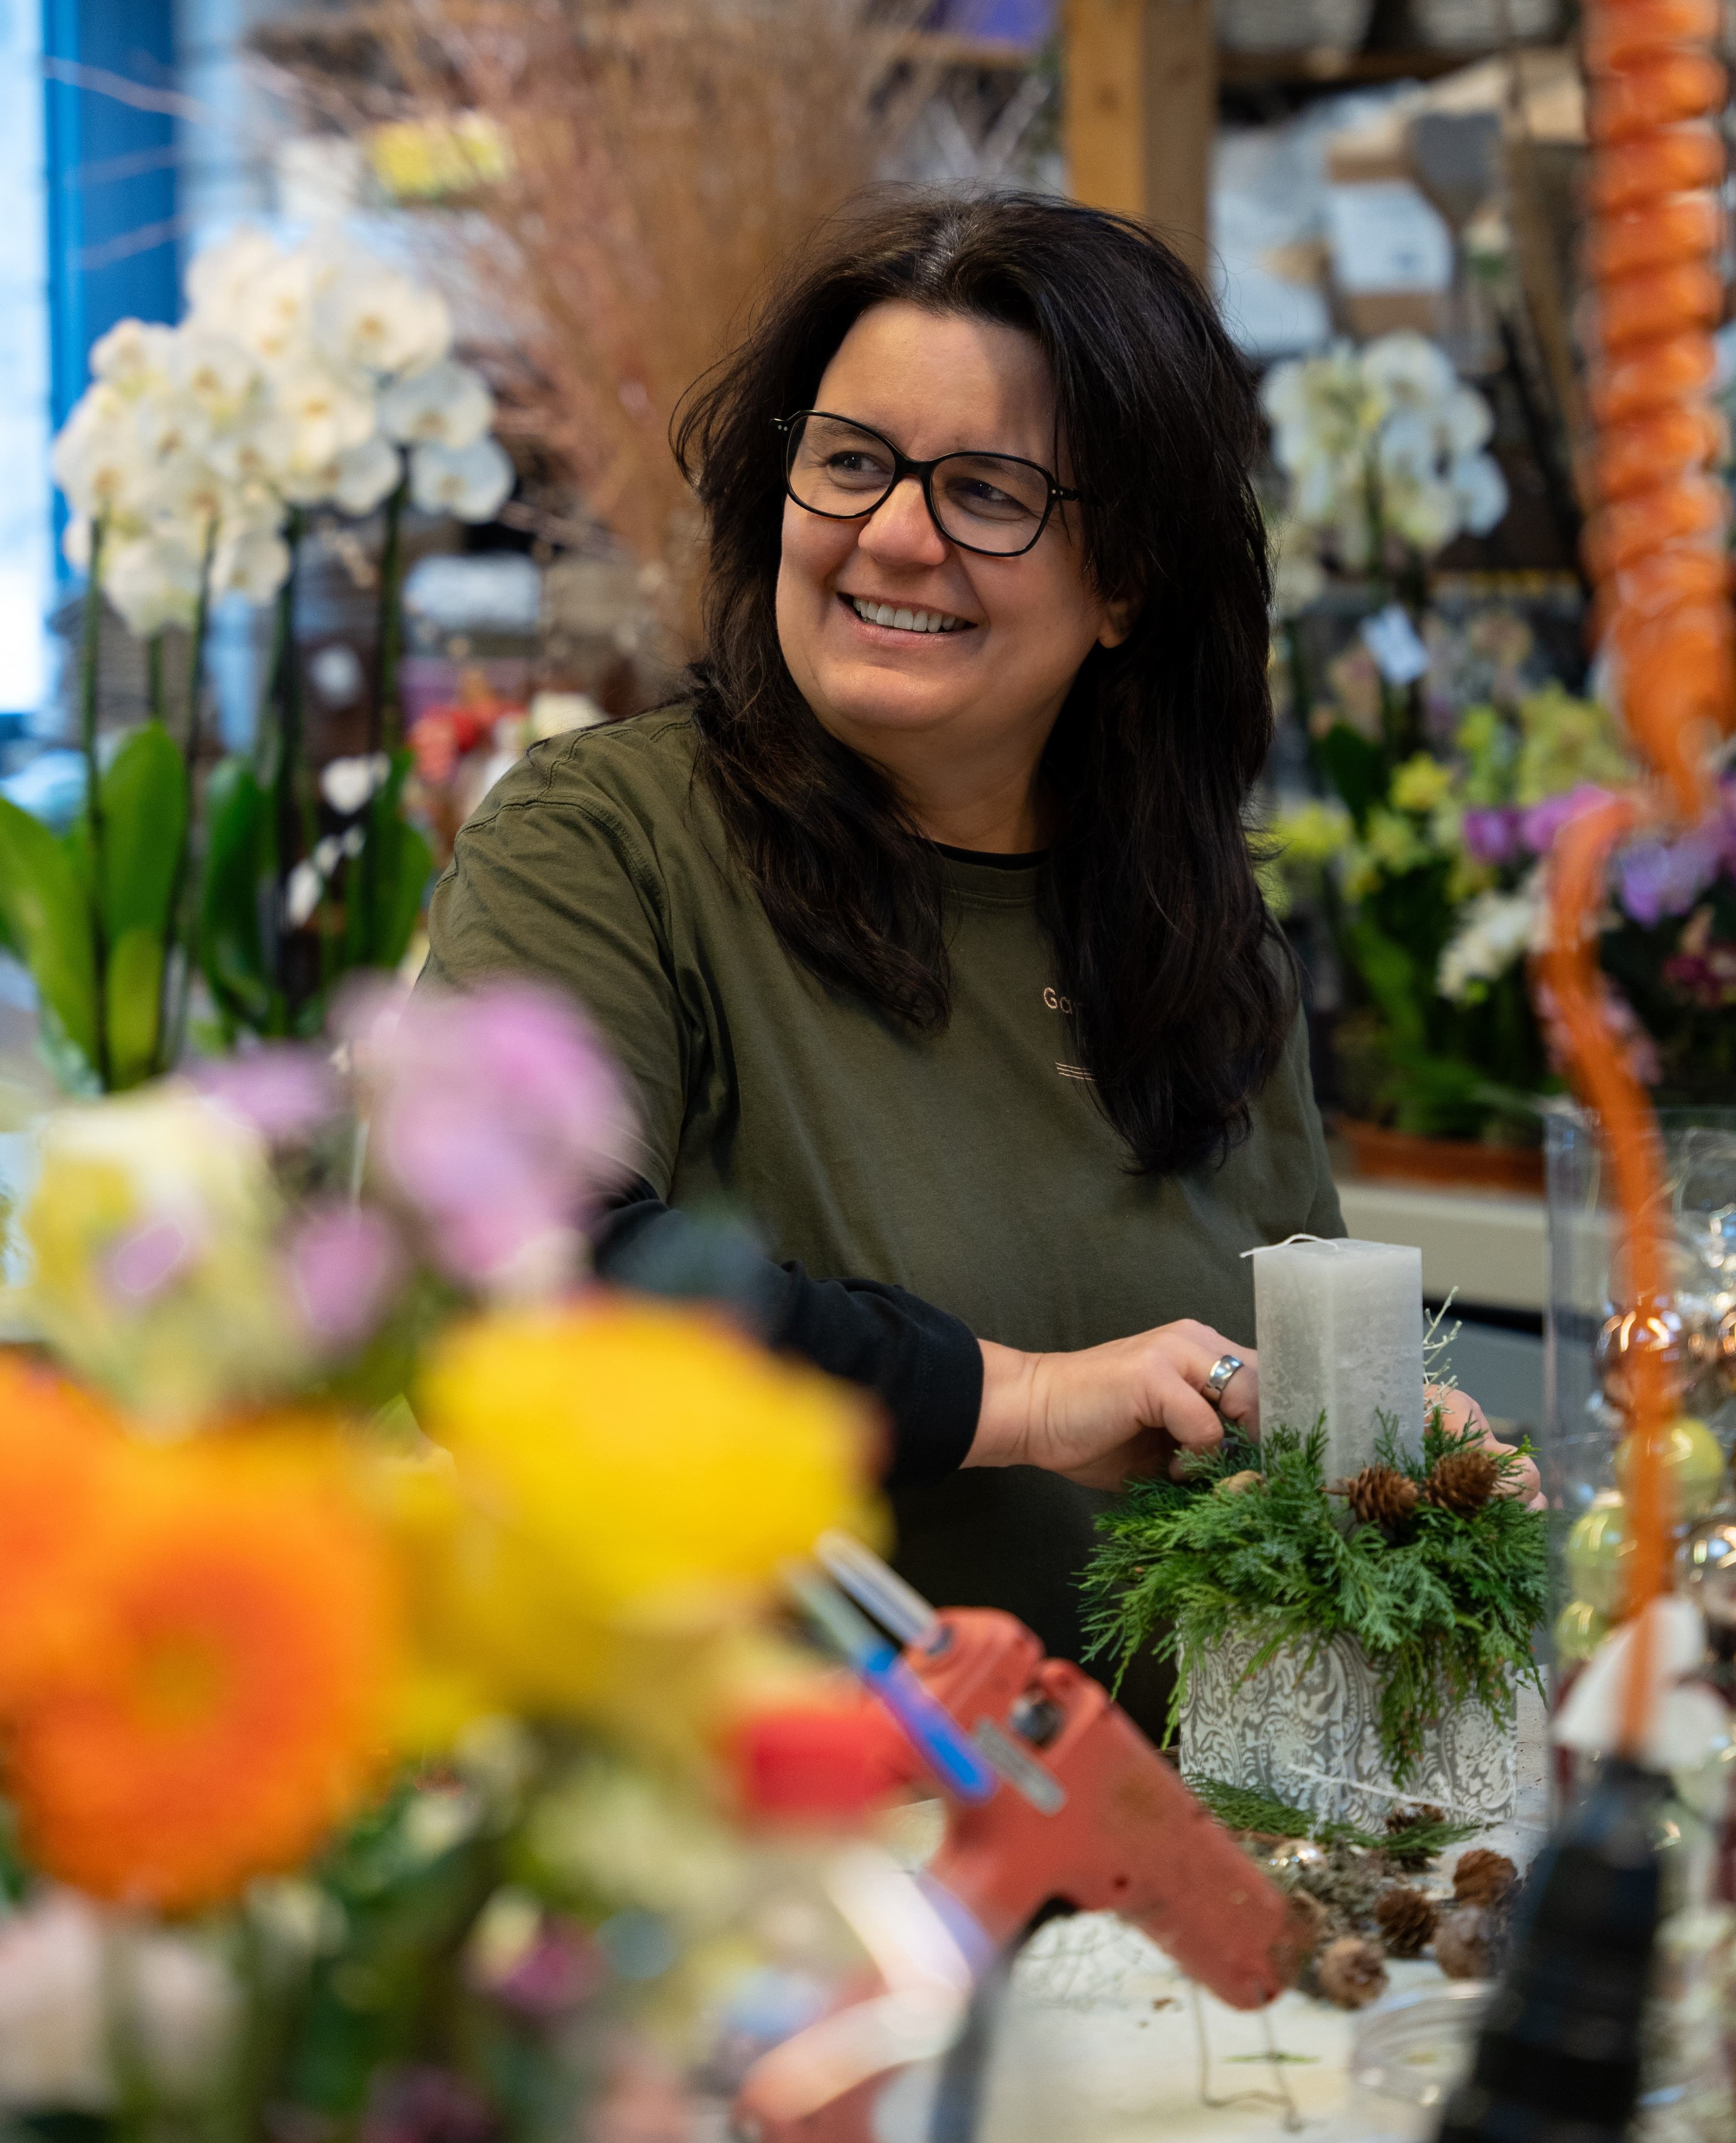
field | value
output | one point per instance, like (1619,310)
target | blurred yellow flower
(148,1234)
(1393,844)
(624,1476)
(1312,833)
(1564,742)
(1422,783)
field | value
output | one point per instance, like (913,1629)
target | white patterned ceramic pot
(1306,1732)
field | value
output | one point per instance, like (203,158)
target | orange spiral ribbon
(1656,546)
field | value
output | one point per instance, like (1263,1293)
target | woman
(927,926)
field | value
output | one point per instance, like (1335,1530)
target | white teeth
(906,621)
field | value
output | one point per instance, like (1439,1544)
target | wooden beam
(1140,109)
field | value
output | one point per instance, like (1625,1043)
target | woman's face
(935,383)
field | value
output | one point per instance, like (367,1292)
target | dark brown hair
(1161,938)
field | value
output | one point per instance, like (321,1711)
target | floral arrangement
(1429,1564)
(315,377)
(1427,870)
(375,1597)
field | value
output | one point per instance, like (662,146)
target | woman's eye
(985,500)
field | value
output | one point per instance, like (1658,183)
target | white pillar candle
(1339,1329)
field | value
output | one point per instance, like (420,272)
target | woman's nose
(901,529)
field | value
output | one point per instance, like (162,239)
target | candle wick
(1301,1237)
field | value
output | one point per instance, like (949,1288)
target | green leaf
(135,1004)
(1390,976)
(384,885)
(48,918)
(144,825)
(1355,768)
(238,856)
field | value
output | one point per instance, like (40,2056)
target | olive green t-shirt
(971,1167)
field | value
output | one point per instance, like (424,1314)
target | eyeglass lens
(985,502)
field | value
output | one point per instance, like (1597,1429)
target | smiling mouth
(899,620)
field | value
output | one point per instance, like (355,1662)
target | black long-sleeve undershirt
(924,1366)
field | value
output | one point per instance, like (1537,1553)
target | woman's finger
(1191,1419)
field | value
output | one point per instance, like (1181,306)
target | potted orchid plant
(315,376)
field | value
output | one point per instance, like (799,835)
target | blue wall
(113,234)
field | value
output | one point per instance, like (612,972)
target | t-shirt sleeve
(563,890)
(559,889)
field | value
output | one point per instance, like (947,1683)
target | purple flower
(283,1092)
(1541,824)
(1657,878)
(499,1116)
(345,1264)
(1491,833)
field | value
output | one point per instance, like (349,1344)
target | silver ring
(1222,1370)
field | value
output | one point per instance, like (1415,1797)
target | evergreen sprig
(1241,1808)
(1444,1614)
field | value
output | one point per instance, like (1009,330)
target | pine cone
(1350,1972)
(1406,1919)
(1382,1496)
(1464,1943)
(1462,1482)
(1412,1863)
(1484,1878)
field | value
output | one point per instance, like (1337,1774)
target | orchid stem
(90,656)
(182,928)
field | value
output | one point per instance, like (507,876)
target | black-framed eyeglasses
(998,504)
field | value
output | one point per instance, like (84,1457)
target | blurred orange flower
(227,1704)
(56,1443)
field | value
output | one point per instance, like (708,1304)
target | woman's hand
(1104,1413)
(1459,1411)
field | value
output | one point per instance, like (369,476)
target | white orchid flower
(275,316)
(257,451)
(1494,930)
(216,373)
(133,357)
(185,493)
(1409,370)
(1423,511)
(1466,421)
(169,423)
(302,891)
(368,321)
(330,415)
(98,460)
(472,482)
(153,581)
(447,405)
(362,477)
(347,783)
(221,280)
(1480,490)
(251,561)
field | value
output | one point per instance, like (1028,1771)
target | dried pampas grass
(656,163)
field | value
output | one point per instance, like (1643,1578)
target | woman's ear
(1118,621)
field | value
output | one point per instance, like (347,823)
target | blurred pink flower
(499,1115)
(345,1264)
(144,1261)
(282,1091)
